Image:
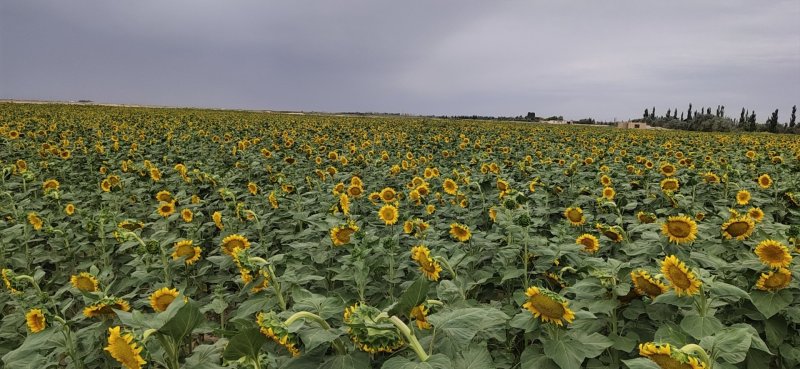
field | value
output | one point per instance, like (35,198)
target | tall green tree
(793,117)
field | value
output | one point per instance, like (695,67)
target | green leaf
(700,326)
(455,329)
(185,319)
(476,357)
(27,355)
(413,296)
(770,303)
(590,345)
(354,360)
(641,363)
(246,343)
(730,344)
(204,357)
(728,291)
(534,358)
(437,361)
(314,336)
(563,353)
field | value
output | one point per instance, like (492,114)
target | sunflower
(374,198)
(271,326)
(575,216)
(355,191)
(460,232)
(185,249)
(590,243)
(615,233)
(644,284)
(105,185)
(273,201)
(764,181)
(105,307)
(609,193)
(429,267)
(667,169)
(233,242)
(155,174)
(450,186)
(8,280)
(738,227)
(645,218)
(388,194)
(166,209)
(340,235)
(84,281)
(161,299)
(420,315)
(670,184)
(605,180)
(683,281)
(756,214)
(548,306)
(665,356)
(680,229)
(35,320)
(69,209)
(122,348)
(35,221)
(50,185)
(367,330)
(743,197)
(773,254)
(388,214)
(344,204)
(430,209)
(774,280)
(164,196)
(710,177)
(217,217)
(187,215)
(252,188)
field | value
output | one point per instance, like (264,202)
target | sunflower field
(203,239)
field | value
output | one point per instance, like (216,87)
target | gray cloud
(603,59)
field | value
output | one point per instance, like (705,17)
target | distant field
(200,239)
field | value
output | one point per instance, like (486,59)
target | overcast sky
(604,59)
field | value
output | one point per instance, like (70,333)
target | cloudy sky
(604,59)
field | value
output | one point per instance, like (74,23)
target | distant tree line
(707,121)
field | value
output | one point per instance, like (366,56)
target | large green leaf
(246,343)
(437,361)
(534,358)
(205,357)
(455,329)
(315,335)
(730,344)
(29,354)
(475,357)
(354,360)
(770,303)
(413,296)
(700,326)
(563,353)
(184,320)
(641,363)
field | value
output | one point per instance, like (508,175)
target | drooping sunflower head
(613,233)
(460,232)
(575,216)
(548,306)
(340,235)
(234,241)
(743,197)
(35,221)
(680,229)
(105,307)
(670,184)
(123,349)
(668,357)
(738,227)
(429,267)
(369,332)
(774,280)
(344,204)
(644,284)
(84,281)
(388,214)
(35,320)
(589,242)
(764,181)
(682,280)
(185,249)
(756,214)
(162,298)
(773,254)
(9,281)
(645,218)
(217,217)
(420,315)
(273,200)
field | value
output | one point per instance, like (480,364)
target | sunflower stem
(410,337)
(337,344)
(276,285)
(693,349)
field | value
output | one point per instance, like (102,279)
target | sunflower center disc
(679,229)
(737,229)
(678,277)
(547,306)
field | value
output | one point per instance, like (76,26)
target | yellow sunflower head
(388,194)
(252,188)
(123,349)
(460,232)
(69,209)
(234,241)
(217,217)
(187,215)
(575,216)
(274,328)
(84,281)
(738,227)
(105,307)
(682,280)
(450,186)
(764,181)
(344,204)
(680,229)
(609,193)
(670,184)
(185,249)
(35,320)
(429,267)
(166,209)
(668,357)
(161,299)
(774,280)
(644,284)
(645,217)
(743,197)
(340,235)
(548,306)
(756,214)
(590,243)
(773,254)
(50,185)
(388,214)
(164,196)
